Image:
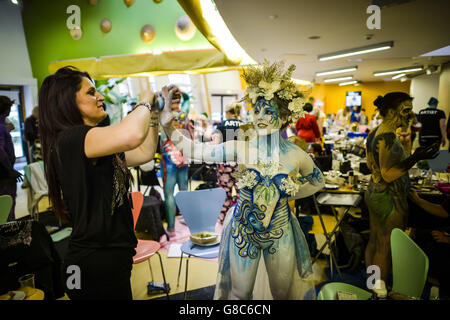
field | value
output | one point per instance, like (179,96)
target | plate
(18,295)
(207,244)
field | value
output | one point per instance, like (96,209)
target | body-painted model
(262,225)
(388,189)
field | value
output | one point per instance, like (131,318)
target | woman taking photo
(88,179)
(388,189)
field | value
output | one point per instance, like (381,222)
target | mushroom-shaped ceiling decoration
(76,33)
(105,25)
(148,33)
(184,28)
(129,3)
(157,1)
(93,2)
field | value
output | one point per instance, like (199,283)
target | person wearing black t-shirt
(228,130)
(433,124)
(86,168)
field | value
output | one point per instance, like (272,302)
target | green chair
(330,290)
(5,207)
(409,265)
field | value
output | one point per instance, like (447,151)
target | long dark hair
(58,111)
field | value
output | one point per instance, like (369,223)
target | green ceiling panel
(48,37)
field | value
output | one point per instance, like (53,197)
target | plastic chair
(329,291)
(5,207)
(145,249)
(200,210)
(37,186)
(409,265)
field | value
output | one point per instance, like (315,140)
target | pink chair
(145,248)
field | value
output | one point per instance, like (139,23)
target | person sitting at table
(434,239)
(262,225)
(386,197)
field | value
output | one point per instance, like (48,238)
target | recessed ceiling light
(338,79)
(356,51)
(15,1)
(314,37)
(263,49)
(273,17)
(395,71)
(341,70)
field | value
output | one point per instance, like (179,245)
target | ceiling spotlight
(398,76)
(395,71)
(348,82)
(342,70)
(338,79)
(356,51)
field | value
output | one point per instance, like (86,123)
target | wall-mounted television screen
(353,98)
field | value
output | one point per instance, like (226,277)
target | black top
(228,129)
(87,186)
(430,118)
(31,129)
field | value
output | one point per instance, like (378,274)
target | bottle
(428,178)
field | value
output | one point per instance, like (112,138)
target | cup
(27,284)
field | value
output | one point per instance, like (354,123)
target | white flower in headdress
(296,105)
(286,94)
(289,186)
(253,93)
(269,88)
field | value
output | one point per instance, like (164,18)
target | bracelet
(145,104)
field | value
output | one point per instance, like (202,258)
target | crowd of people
(82,153)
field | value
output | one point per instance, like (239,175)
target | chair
(409,265)
(330,290)
(37,186)
(200,210)
(145,249)
(5,207)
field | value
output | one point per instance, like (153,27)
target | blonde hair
(234,108)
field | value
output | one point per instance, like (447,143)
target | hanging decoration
(147,33)
(129,3)
(157,1)
(184,28)
(76,33)
(105,25)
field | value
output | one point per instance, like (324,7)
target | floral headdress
(267,80)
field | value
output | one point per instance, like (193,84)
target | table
(347,200)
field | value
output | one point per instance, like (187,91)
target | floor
(202,272)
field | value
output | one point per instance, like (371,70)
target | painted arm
(443,130)
(391,167)
(312,178)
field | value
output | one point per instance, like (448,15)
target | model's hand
(430,152)
(440,236)
(171,102)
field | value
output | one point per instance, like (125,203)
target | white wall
(422,89)
(15,66)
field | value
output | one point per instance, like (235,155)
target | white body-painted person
(262,225)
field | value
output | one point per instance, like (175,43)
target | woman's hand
(440,236)
(414,196)
(147,96)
